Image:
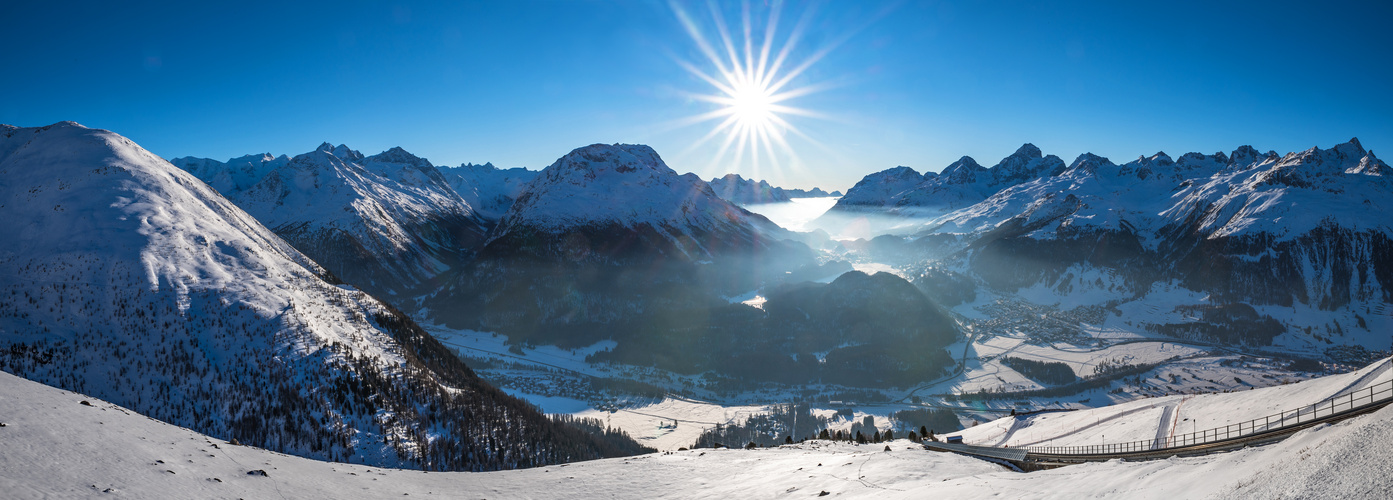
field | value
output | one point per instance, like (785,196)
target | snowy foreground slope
(126,278)
(54,445)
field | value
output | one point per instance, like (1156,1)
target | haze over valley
(694,250)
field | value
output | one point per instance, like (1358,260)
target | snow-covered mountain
(1247,247)
(961,184)
(128,279)
(389,224)
(606,235)
(619,201)
(488,189)
(737,189)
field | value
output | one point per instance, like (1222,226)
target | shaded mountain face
(859,330)
(130,280)
(488,189)
(961,184)
(604,233)
(620,203)
(876,189)
(1297,240)
(737,189)
(896,200)
(390,224)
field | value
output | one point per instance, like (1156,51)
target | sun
(753,82)
(751,104)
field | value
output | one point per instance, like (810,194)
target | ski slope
(1162,417)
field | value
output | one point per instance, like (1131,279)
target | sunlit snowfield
(109,451)
(796,214)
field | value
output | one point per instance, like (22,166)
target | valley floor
(53,445)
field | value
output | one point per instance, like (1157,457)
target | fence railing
(1376,393)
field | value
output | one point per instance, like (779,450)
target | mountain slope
(1280,249)
(489,190)
(389,224)
(608,235)
(131,280)
(623,202)
(961,184)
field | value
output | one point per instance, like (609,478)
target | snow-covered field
(53,445)
(672,423)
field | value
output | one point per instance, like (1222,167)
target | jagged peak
(963,171)
(1369,165)
(1028,150)
(964,162)
(398,155)
(1089,162)
(1246,155)
(1160,158)
(342,152)
(1194,158)
(1350,149)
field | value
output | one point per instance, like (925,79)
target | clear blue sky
(521,83)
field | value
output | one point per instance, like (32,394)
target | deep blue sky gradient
(521,83)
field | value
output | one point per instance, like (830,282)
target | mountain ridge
(134,281)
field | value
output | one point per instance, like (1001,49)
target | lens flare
(753,83)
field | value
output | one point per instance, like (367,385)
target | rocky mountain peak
(1028,150)
(963,171)
(341,152)
(1244,155)
(581,188)
(399,155)
(1351,149)
(1089,163)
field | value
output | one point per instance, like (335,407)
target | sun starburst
(753,84)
